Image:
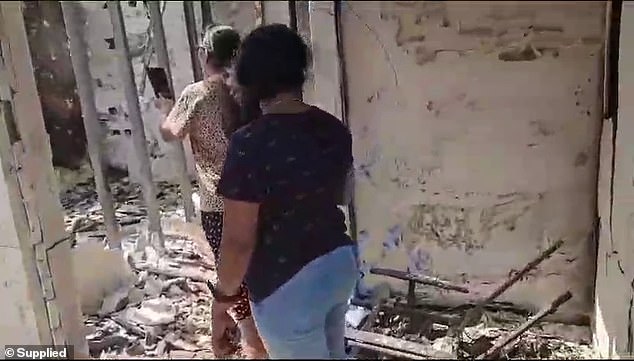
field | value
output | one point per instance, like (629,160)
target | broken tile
(135,296)
(181,354)
(356,316)
(114,302)
(153,312)
(153,287)
(135,349)
(97,346)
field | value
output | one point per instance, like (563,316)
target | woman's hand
(164,105)
(222,326)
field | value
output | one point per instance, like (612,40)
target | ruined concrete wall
(239,14)
(614,304)
(56,82)
(21,312)
(57,86)
(108,87)
(36,253)
(108,91)
(476,133)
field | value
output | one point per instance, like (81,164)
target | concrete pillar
(138,131)
(326,61)
(614,289)
(192,38)
(276,12)
(303,28)
(207,17)
(76,30)
(38,298)
(325,87)
(178,152)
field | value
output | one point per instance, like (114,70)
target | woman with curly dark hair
(284,234)
(208,113)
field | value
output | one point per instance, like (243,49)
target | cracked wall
(476,130)
(56,82)
(41,303)
(614,304)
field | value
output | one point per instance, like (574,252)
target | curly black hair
(272,59)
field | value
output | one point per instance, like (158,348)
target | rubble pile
(546,341)
(83,211)
(164,313)
(164,310)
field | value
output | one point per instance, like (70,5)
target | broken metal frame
(180,161)
(126,73)
(81,67)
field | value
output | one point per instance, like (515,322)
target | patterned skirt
(212,225)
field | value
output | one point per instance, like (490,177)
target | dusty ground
(164,311)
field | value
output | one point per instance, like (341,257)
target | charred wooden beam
(375,340)
(475,313)
(385,351)
(422,279)
(519,275)
(433,316)
(494,351)
(413,279)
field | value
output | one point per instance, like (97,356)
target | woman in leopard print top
(208,112)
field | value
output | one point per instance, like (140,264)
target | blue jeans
(305,317)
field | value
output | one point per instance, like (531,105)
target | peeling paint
(427,151)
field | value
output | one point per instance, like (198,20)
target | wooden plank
(434,316)
(422,279)
(493,352)
(386,351)
(394,343)
(76,31)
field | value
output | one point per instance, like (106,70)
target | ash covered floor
(162,309)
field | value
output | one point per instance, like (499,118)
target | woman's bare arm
(238,242)
(179,117)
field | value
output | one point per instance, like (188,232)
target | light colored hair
(221,42)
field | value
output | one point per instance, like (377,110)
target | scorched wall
(476,128)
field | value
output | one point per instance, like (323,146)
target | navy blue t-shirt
(295,167)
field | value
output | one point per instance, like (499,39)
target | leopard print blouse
(206,110)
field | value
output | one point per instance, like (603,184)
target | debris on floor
(544,341)
(165,313)
(164,310)
(83,211)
